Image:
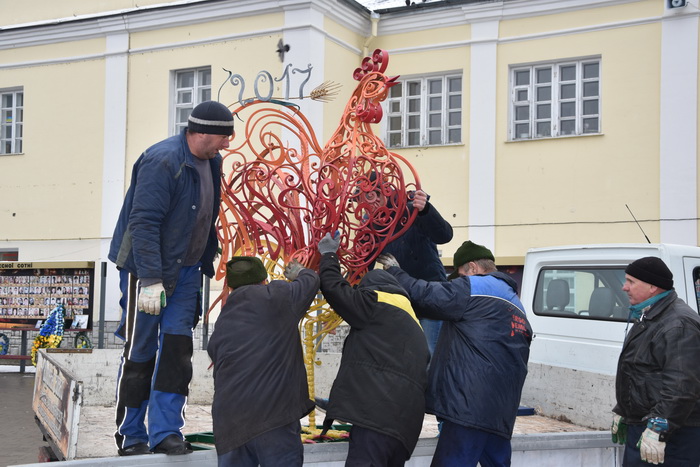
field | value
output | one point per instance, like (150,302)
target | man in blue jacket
(479,366)
(164,241)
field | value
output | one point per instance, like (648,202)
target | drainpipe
(375,22)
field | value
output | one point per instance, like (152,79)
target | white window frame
(11,121)
(561,107)
(185,98)
(413,120)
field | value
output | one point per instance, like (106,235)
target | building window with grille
(191,87)
(11,121)
(555,99)
(425,111)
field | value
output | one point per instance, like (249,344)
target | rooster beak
(391,81)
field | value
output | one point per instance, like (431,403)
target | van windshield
(588,293)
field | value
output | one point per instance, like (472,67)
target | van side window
(584,293)
(696,281)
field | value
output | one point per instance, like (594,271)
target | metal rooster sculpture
(283,191)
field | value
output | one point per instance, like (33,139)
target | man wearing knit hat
(260,385)
(163,243)
(480,362)
(657,415)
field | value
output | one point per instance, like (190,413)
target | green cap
(244,270)
(469,251)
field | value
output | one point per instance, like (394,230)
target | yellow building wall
(583,18)
(543,184)
(54,191)
(19,12)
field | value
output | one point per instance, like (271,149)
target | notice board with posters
(29,291)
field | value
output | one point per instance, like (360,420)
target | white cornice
(460,14)
(166,16)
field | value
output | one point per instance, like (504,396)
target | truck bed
(98,440)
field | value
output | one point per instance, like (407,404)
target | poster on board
(30,290)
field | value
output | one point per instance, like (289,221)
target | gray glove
(292,270)
(329,244)
(387,260)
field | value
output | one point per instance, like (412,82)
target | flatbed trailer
(74,407)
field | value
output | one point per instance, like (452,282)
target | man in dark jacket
(417,253)
(657,416)
(163,243)
(260,385)
(480,362)
(416,249)
(380,387)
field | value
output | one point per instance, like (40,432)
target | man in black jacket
(657,416)
(260,383)
(416,249)
(380,387)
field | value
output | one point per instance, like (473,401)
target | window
(425,111)
(11,118)
(556,99)
(588,293)
(192,87)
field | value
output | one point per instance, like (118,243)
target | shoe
(135,450)
(173,445)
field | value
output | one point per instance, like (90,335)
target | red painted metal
(283,191)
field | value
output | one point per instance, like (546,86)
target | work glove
(651,448)
(292,270)
(618,429)
(387,260)
(152,298)
(329,244)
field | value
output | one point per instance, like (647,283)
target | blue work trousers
(156,365)
(431,329)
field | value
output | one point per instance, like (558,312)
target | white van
(579,315)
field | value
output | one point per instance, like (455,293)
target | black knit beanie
(469,251)
(244,270)
(212,118)
(651,270)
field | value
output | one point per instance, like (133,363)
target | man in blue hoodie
(479,366)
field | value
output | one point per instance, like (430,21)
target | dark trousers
(369,448)
(682,450)
(459,446)
(280,447)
